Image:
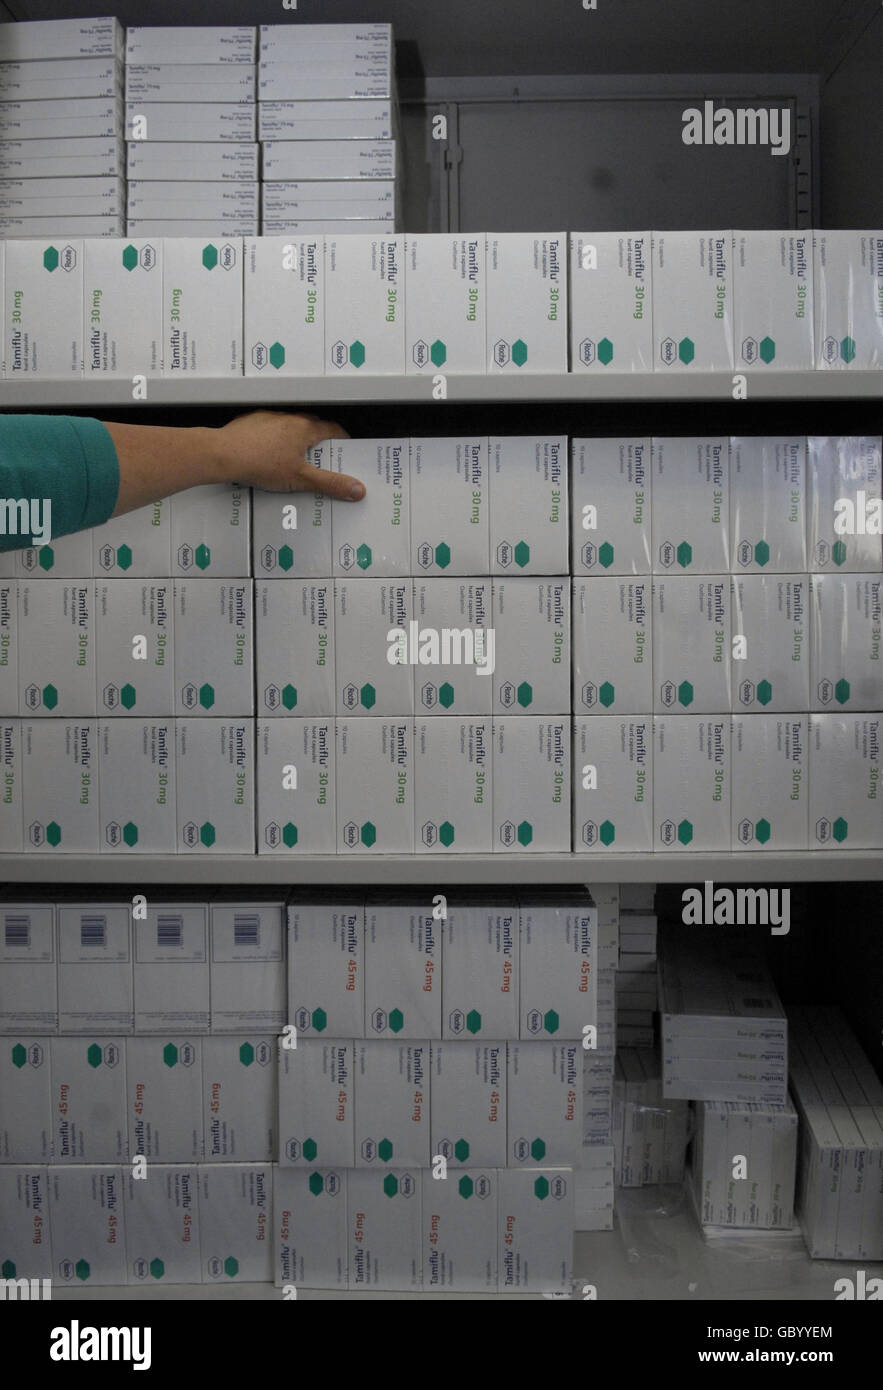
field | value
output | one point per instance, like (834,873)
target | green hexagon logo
(838,552)
(764,692)
(538,1150)
(762,553)
(762,831)
(210,256)
(390,1184)
(289,835)
(46,557)
(129,258)
(551,1021)
(357,353)
(130,833)
(473,1021)
(203,556)
(686,350)
(124,557)
(438,353)
(396,1020)
(93,1055)
(605,352)
(231,1267)
(128,696)
(847,349)
(368,696)
(466,1186)
(605,555)
(524,694)
(541,1188)
(767,350)
(461,1150)
(276,355)
(53,834)
(841,692)
(446,694)
(316,1184)
(368,834)
(519,352)
(606,694)
(170,1055)
(685,832)
(82,1270)
(443,555)
(289,696)
(50,696)
(246,1054)
(157,1269)
(521,553)
(685,694)
(607,832)
(19,1056)
(311,1148)
(7,1269)
(320,1020)
(285,557)
(684,554)
(840,830)
(364,557)
(207,834)
(525,832)
(51,258)
(446,833)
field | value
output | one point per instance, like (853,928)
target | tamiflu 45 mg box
(402,971)
(460,1232)
(544,1102)
(44,309)
(310,1238)
(469,1103)
(122,307)
(481,971)
(326,966)
(24,1240)
(392,1086)
(88,1100)
(693,301)
(365,304)
(171,968)
(529,525)
(526,302)
(768,503)
(611,319)
(446,304)
(202,306)
(296,786)
(284,306)
(690,495)
(25,1101)
(316,1103)
(558,964)
(236,1205)
(610,506)
(773,300)
(28,980)
(95,986)
(164,1089)
(162,1225)
(449,506)
(384,1217)
(247,962)
(535,1233)
(240,1103)
(87,1215)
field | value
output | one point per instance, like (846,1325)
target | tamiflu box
(690,498)
(25,1101)
(87,1216)
(135,645)
(610,506)
(770,781)
(68,117)
(528,482)
(469,1103)
(768,504)
(247,962)
(215,786)
(612,648)
(233,43)
(228,203)
(192,159)
(375,786)
(481,969)
(230,121)
(384,1219)
(403,945)
(60,786)
(9,628)
(453,810)
(210,531)
(95,986)
(240,1098)
(535,1234)
(296,786)
(28,980)
(446,304)
(691,782)
(372,624)
(449,506)
(39,196)
(310,1236)
(11,829)
(316,1103)
(56,668)
(88,1100)
(849,298)
(122,308)
(44,309)
(844,493)
(348,118)
(365,304)
(770,626)
(236,1235)
(340,200)
(531,784)
(162,1225)
(331,159)
(326,966)
(179,81)
(846,630)
(85,155)
(284,306)
(613,784)
(372,538)
(136,786)
(691,643)
(452,643)
(693,301)
(526,302)
(292,538)
(24,1239)
(611,318)
(164,1090)
(558,965)
(213,646)
(531,645)
(544,1102)
(460,1232)
(845,781)
(773,300)
(202,306)
(392,1091)
(172,988)
(136,545)
(61,557)
(66,38)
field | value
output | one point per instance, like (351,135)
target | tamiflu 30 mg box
(66,557)
(846,631)
(87,1215)
(202,306)
(11,829)
(296,786)
(171,968)
(693,301)
(384,1216)
(690,497)
(770,781)
(310,1237)
(122,308)
(526,302)
(481,971)
(215,786)
(372,538)
(316,1103)
(392,1084)
(611,319)
(44,309)
(95,986)
(136,786)
(535,1234)
(531,784)
(691,643)
(240,1098)
(449,506)
(135,645)
(610,506)
(773,300)
(136,545)
(768,502)
(24,1241)
(460,1232)
(844,494)
(544,1102)
(28,980)
(88,1100)
(844,805)
(60,786)
(326,966)
(247,962)
(531,645)
(9,627)
(613,784)
(56,669)
(402,971)
(375,786)
(210,531)
(213,646)
(558,964)
(25,1100)
(446,304)
(849,298)
(292,538)
(452,645)
(164,1089)
(529,527)
(453,810)
(372,625)
(365,304)
(162,1225)
(770,626)
(612,648)
(469,1103)
(691,782)
(236,1207)
(284,306)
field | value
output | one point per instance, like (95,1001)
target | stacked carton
(650,1133)
(742,1166)
(636,991)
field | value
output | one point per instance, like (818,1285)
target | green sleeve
(70,460)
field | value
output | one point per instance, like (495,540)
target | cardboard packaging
(310,1227)
(296,786)
(771,613)
(28,986)
(11,824)
(332,226)
(364,304)
(611,308)
(526,302)
(295,647)
(182,226)
(86,156)
(233,43)
(230,121)
(844,488)
(43,301)
(453,805)
(9,630)
(691,643)
(846,628)
(330,85)
(39,197)
(469,1103)
(844,787)
(402,971)
(531,784)
(613,784)
(71,117)
(240,1099)
(690,497)
(384,1214)
(62,225)
(372,670)
(136,786)
(162,1225)
(610,506)
(215,786)
(24,1240)
(95,986)
(171,968)
(326,159)
(164,1087)
(446,304)
(136,545)
(214,647)
(449,506)
(202,306)
(235,1232)
(61,38)
(326,966)
(691,782)
(25,1101)
(372,538)
(849,298)
(284,41)
(347,119)
(247,962)
(87,1216)
(196,159)
(60,786)
(122,308)
(773,300)
(558,965)
(536,1235)
(135,645)
(480,988)
(340,200)
(392,1103)
(693,300)
(531,623)
(612,647)
(88,1100)
(292,538)
(56,667)
(528,485)
(770,781)
(284,306)
(224,202)
(181,81)
(451,644)
(459,1233)
(375,786)
(768,503)
(317,1098)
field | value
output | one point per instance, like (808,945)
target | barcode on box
(169,930)
(18,931)
(246,929)
(93,931)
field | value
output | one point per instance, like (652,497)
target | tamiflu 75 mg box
(202,306)
(449,506)
(691,782)
(526,302)
(403,945)
(43,309)
(375,786)
(296,786)
(365,304)
(773,300)
(326,966)
(611,319)
(613,784)
(122,308)
(284,306)
(529,526)
(846,631)
(770,781)
(693,301)
(770,625)
(612,649)
(768,503)
(372,538)
(136,786)
(690,496)
(445,307)
(849,298)
(610,506)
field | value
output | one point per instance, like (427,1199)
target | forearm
(157,461)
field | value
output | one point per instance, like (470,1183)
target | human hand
(267,449)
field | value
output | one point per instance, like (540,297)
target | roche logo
(508,833)
(668,351)
(502,353)
(587,352)
(508,694)
(420,353)
(589,555)
(745,832)
(350,696)
(668,694)
(825,691)
(350,834)
(347,556)
(190,695)
(369,1150)
(113,834)
(379,1020)
(425,555)
(521,1149)
(667,554)
(429,695)
(823,830)
(147,257)
(272,697)
(505,554)
(668,832)
(110,697)
(339,354)
(228,259)
(190,834)
(68,258)
(534,1022)
(457,1022)
(590,694)
(259,356)
(273,835)
(589,833)
(746,693)
(744,553)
